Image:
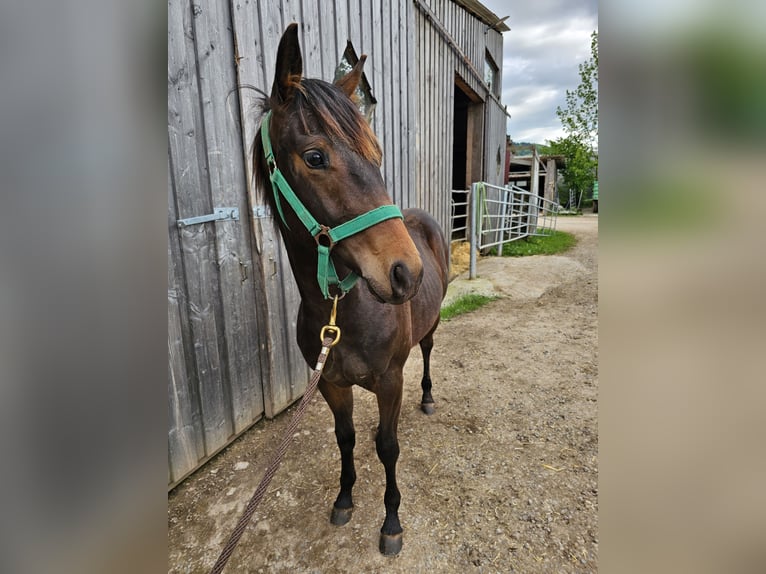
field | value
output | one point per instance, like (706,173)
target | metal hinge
(219,214)
(261,211)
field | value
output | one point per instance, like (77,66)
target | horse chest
(347,367)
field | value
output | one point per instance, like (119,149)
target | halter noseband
(325,237)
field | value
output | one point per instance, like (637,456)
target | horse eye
(315,159)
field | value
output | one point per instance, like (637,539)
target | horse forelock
(337,116)
(321,106)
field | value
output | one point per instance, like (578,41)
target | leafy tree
(580,118)
(580,122)
(581,163)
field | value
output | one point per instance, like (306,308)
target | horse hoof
(390,544)
(427,408)
(340,516)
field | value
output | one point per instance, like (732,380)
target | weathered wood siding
(437,64)
(214,373)
(232,300)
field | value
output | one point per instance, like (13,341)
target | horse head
(330,157)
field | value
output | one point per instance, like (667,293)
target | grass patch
(464,304)
(558,242)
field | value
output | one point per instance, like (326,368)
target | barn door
(214,340)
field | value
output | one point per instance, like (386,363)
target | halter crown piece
(324,236)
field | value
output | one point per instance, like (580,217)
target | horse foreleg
(389,395)
(341,403)
(426,344)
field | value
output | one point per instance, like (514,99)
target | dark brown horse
(330,158)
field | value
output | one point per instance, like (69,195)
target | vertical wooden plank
(365,43)
(472,41)
(355,25)
(327,33)
(550,181)
(415,104)
(420,109)
(291,10)
(441,50)
(381,70)
(285,320)
(255,39)
(312,48)
(436,160)
(439,53)
(185,441)
(198,242)
(391,78)
(257,30)
(424,113)
(429,119)
(404,87)
(414,91)
(432,114)
(225,158)
(341,26)
(445,126)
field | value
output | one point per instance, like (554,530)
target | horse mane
(321,106)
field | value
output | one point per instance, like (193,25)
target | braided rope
(276,460)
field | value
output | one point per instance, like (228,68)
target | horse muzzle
(387,259)
(405,282)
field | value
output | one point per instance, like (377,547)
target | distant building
(519,170)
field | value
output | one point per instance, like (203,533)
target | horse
(314,142)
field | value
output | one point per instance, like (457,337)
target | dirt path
(503,478)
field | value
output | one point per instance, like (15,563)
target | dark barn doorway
(467,146)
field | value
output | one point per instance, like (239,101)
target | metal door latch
(219,214)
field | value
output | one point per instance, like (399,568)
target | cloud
(541,54)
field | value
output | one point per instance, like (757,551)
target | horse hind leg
(341,403)
(426,344)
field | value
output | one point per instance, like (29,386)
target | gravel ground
(503,478)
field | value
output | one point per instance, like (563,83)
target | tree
(581,164)
(580,122)
(580,118)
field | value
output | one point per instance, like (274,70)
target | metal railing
(460,215)
(504,214)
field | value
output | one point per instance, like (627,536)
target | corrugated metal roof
(483,13)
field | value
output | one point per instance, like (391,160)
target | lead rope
(330,336)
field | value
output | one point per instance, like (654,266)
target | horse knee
(387,447)
(346,437)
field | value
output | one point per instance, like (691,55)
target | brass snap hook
(331,330)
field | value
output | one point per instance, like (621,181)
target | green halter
(326,274)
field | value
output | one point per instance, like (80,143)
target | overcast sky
(547,41)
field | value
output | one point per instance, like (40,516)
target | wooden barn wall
(232,301)
(436,65)
(215,368)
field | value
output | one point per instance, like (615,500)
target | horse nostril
(401,280)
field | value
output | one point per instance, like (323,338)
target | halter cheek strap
(325,237)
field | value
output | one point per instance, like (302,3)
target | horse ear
(350,81)
(289,66)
